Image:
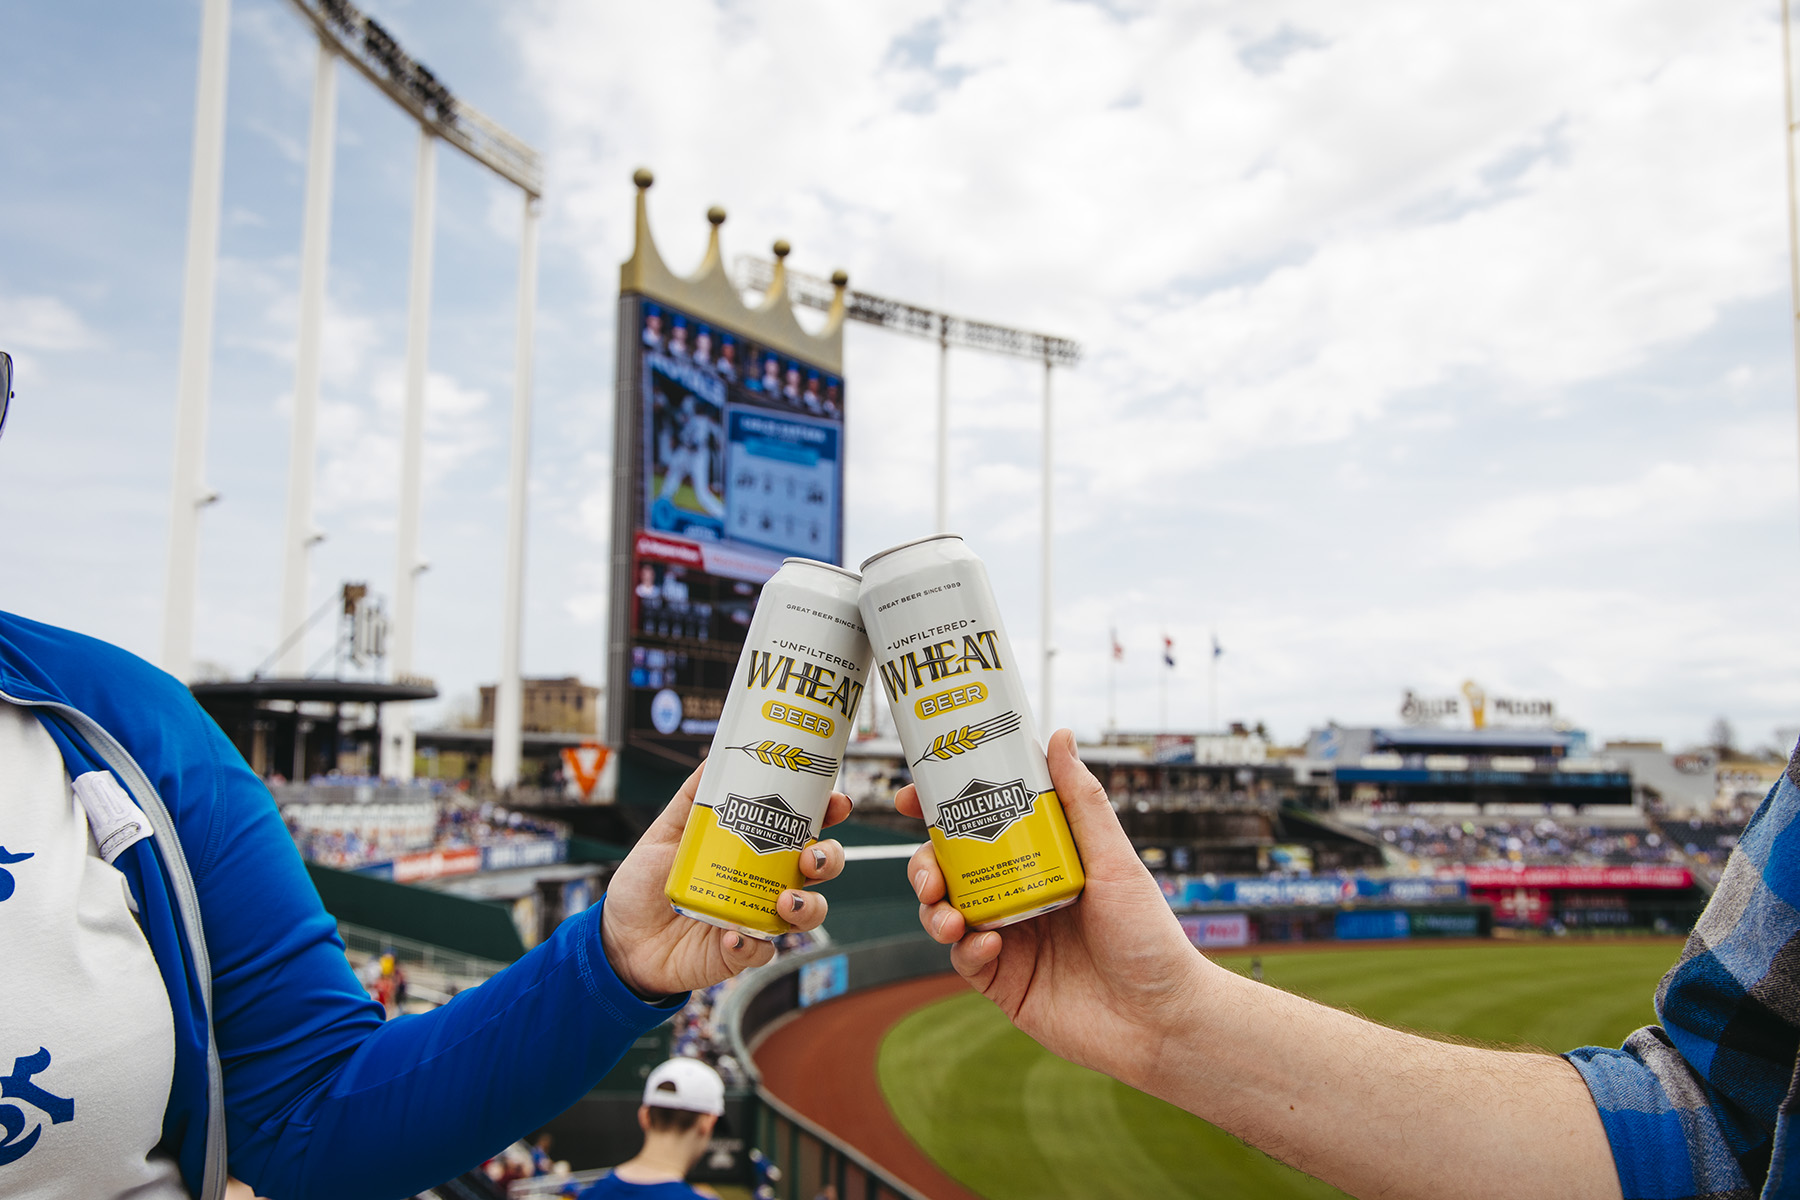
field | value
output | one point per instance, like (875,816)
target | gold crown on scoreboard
(710,295)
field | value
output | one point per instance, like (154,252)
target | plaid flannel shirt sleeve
(1703,1104)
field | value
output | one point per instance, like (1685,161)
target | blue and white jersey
(87,1041)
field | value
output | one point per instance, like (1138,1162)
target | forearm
(428,1096)
(1375,1111)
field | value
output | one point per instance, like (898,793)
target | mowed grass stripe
(1080,1132)
(1011,1121)
(1553,996)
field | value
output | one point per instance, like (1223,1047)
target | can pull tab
(117,823)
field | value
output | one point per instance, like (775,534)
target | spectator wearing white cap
(683,1100)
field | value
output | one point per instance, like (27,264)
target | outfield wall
(809,1156)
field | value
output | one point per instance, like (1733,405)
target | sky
(1422,342)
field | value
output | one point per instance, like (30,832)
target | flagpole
(1112,685)
(1212,682)
(1168,666)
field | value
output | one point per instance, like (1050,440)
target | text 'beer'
(776,752)
(995,821)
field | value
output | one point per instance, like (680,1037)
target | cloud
(1662,503)
(359,443)
(44,324)
(1270,249)
(1285,233)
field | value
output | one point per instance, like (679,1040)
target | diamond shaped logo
(766,823)
(984,810)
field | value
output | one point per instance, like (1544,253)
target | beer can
(966,727)
(776,751)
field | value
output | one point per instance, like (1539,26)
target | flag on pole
(1118,650)
(1168,650)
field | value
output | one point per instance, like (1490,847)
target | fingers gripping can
(965,725)
(776,751)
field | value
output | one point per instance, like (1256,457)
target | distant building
(564,705)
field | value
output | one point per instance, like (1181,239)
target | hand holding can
(776,752)
(995,821)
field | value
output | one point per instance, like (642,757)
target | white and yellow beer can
(776,751)
(966,727)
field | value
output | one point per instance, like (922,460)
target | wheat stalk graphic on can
(776,751)
(965,725)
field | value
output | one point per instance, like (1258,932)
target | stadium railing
(809,1156)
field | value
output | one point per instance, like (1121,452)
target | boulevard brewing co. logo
(984,810)
(766,823)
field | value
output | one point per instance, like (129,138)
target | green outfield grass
(1009,1120)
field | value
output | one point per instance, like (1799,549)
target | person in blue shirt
(1700,1105)
(683,1099)
(278,1068)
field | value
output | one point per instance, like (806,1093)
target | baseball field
(1007,1120)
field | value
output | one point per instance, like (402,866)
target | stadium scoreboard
(729,457)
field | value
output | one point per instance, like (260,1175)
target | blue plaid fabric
(1704,1104)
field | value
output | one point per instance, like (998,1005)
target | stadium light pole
(397,732)
(1793,190)
(315,248)
(943,428)
(188,493)
(374,53)
(509,696)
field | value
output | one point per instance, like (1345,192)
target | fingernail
(919,884)
(819,859)
(737,941)
(797,903)
(937,922)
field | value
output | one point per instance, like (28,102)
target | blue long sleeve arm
(425,1097)
(324,1099)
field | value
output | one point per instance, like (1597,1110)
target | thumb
(1092,821)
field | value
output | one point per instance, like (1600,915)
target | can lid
(936,537)
(813,562)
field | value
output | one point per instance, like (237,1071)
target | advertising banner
(823,979)
(1190,892)
(1287,891)
(1217,929)
(433,864)
(1577,877)
(1372,926)
(1413,891)
(734,460)
(1461,923)
(523,852)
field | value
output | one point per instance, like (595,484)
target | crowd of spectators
(366,838)
(1543,841)
(695,1031)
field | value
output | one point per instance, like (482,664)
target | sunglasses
(5,386)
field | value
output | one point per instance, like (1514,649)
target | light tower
(344,32)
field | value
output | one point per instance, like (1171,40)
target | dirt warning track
(823,1064)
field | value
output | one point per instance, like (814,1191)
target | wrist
(1174,1024)
(612,945)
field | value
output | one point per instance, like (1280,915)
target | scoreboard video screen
(735,462)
